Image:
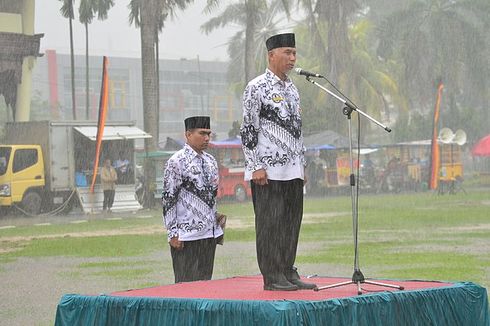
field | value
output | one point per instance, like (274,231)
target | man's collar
(274,79)
(191,150)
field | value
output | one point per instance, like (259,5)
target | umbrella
(482,148)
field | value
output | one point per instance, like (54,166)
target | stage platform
(242,301)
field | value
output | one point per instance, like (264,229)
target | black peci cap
(286,40)
(199,122)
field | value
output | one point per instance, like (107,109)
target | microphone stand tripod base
(358,278)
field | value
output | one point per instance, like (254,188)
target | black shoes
(278,282)
(293,277)
(281,283)
(280,286)
(302,285)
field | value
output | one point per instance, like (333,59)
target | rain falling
(382,123)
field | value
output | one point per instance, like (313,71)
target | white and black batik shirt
(271,129)
(190,186)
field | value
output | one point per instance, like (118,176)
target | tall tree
(370,83)
(256,19)
(332,17)
(143,13)
(328,24)
(67,12)
(87,11)
(441,39)
(337,14)
(149,16)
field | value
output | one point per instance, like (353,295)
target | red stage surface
(251,288)
(241,301)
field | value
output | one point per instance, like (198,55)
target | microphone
(302,72)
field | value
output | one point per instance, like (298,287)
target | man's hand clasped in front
(221,220)
(259,177)
(176,243)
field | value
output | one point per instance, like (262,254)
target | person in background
(108,178)
(367,162)
(122,168)
(272,143)
(190,187)
(368,171)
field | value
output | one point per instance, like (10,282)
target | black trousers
(108,199)
(278,208)
(195,261)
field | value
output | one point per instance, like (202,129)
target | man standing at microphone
(272,142)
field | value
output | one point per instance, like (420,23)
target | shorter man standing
(108,176)
(190,187)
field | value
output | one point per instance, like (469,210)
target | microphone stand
(357,277)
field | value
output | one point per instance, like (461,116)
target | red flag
(104,93)
(435,155)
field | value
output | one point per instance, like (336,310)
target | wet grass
(114,264)
(125,274)
(414,236)
(89,224)
(99,246)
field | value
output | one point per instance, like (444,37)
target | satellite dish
(459,137)
(446,136)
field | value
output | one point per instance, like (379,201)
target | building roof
(324,138)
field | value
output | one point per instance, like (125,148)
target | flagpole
(101,121)
(435,154)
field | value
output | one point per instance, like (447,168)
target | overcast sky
(181,38)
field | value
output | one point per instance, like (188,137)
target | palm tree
(149,16)
(87,11)
(67,12)
(257,20)
(333,39)
(369,82)
(143,14)
(243,13)
(440,39)
(352,64)
(326,40)
(334,17)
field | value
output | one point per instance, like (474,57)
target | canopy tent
(364,151)
(482,147)
(113,132)
(319,147)
(328,138)
(155,154)
(171,144)
(227,143)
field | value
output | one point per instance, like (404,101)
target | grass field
(403,236)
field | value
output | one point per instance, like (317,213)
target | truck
(48,165)
(231,165)
(231,168)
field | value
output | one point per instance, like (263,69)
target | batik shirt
(190,186)
(271,129)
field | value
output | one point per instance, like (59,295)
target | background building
(187,87)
